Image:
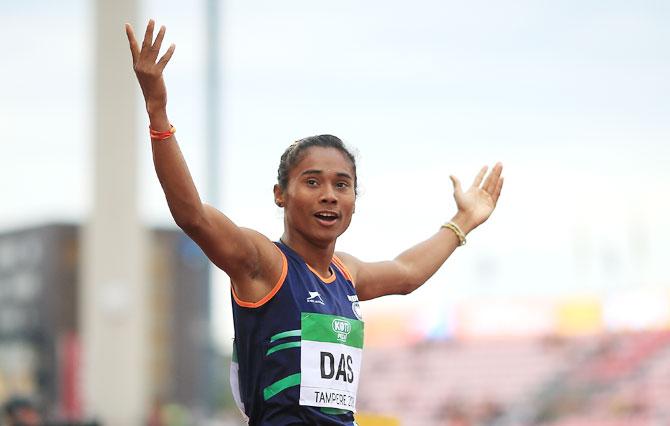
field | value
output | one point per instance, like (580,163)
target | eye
(342,185)
(311,182)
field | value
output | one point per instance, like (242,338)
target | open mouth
(327,217)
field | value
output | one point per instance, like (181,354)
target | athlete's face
(319,198)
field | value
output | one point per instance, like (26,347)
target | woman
(298,327)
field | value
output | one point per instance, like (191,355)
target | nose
(328,195)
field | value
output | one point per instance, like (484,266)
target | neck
(316,255)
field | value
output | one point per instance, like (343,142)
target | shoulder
(268,275)
(351,264)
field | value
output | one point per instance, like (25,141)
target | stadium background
(556,311)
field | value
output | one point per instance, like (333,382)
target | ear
(279,195)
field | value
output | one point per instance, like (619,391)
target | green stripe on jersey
(280,385)
(332,329)
(283,346)
(336,411)
(290,333)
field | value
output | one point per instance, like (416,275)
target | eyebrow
(320,172)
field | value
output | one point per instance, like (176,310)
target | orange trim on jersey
(325,280)
(270,295)
(338,262)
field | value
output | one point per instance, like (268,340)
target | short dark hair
(295,151)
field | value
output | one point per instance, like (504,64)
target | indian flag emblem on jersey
(355,306)
(330,360)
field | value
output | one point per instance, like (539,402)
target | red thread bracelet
(160,136)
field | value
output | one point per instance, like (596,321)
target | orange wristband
(160,136)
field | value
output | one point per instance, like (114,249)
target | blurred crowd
(21,411)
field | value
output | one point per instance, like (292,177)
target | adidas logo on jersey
(315,297)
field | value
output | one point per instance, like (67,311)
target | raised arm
(413,267)
(249,258)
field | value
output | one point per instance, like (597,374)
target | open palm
(148,68)
(480,199)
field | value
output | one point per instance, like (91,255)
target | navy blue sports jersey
(297,352)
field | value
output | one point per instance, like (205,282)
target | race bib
(330,360)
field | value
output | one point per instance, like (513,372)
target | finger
(165,58)
(134,49)
(456,183)
(480,176)
(492,180)
(159,39)
(496,193)
(148,34)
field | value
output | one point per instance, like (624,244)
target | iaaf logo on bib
(342,328)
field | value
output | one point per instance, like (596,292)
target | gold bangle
(457,231)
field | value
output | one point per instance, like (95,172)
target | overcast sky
(573,97)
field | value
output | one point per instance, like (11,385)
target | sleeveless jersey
(297,352)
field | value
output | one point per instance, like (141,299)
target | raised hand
(149,72)
(477,203)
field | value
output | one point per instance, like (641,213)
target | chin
(323,239)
